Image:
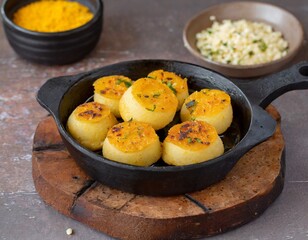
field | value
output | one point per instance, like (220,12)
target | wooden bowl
(280,19)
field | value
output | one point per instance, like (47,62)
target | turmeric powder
(52,16)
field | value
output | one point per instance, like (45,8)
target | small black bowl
(53,48)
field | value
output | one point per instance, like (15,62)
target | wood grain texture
(252,185)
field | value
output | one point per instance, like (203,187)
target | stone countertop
(133,30)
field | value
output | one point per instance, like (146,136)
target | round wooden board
(252,185)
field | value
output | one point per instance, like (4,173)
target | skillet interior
(169,180)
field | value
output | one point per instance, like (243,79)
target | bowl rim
(288,56)
(79,29)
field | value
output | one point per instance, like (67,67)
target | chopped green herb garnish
(151,77)
(251,53)
(127,83)
(169,85)
(156,95)
(211,53)
(190,104)
(153,109)
(190,140)
(262,46)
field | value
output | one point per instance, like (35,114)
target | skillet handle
(265,90)
(52,91)
(263,126)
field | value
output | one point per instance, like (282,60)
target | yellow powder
(52,16)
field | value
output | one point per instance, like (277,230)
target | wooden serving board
(252,185)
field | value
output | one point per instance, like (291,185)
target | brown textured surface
(253,184)
(140,29)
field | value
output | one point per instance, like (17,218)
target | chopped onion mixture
(241,42)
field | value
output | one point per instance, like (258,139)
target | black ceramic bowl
(60,96)
(53,48)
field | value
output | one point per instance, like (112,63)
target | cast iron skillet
(61,95)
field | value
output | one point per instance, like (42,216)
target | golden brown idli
(209,105)
(109,89)
(177,84)
(191,142)
(150,101)
(89,123)
(134,143)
